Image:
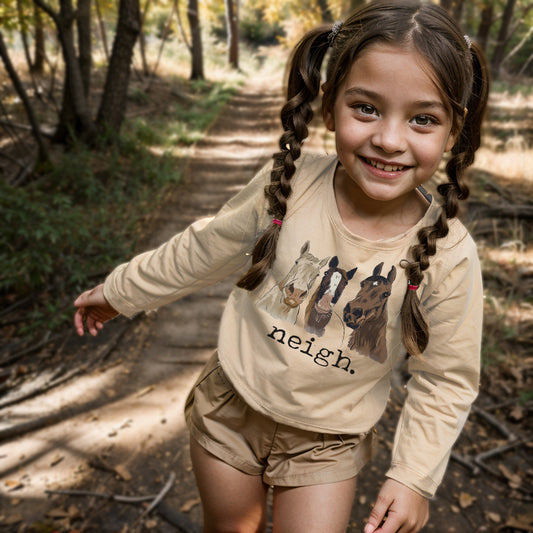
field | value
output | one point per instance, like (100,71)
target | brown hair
(462,78)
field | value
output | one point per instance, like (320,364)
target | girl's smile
(391,130)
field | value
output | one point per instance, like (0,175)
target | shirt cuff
(423,485)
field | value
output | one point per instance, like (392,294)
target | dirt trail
(119,429)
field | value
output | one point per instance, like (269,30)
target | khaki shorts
(222,423)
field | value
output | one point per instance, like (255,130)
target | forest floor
(114,429)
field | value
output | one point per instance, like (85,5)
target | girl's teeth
(386,168)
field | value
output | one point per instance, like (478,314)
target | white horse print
(284,299)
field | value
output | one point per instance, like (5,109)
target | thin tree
(197,56)
(75,116)
(503,38)
(232,24)
(113,105)
(43,155)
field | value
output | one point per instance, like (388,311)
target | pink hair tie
(412,287)
(276,221)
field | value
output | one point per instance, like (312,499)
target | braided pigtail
(469,116)
(303,88)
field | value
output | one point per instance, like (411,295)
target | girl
(353,267)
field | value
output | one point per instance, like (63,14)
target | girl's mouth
(382,166)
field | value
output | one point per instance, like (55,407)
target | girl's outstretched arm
(406,511)
(94,310)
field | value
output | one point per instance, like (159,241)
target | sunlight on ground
(120,430)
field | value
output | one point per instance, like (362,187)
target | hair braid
(415,330)
(302,89)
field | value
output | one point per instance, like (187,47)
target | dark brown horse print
(366,314)
(320,308)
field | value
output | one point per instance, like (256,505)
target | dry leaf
(517,413)
(13,485)
(493,517)
(466,500)
(189,504)
(455,509)
(514,479)
(146,390)
(150,524)
(57,459)
(123,472)
(58,513)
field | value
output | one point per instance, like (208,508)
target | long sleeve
(445,381)
(207,251)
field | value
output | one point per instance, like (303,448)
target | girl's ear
(450,143)
(329,119)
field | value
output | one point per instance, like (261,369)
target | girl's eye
(365,109)
(424,120)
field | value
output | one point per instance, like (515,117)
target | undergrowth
(67,228)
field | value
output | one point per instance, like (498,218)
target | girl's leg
(232,501)
(314,508)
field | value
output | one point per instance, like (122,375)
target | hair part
(461,76)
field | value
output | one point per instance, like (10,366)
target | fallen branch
(491,419)
(54,382)
(159,498)
(177,519)
(115,497)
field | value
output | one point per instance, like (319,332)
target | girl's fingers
(78,321)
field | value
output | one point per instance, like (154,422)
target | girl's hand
(94,310)
(406,510)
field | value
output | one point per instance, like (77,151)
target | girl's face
(391,124)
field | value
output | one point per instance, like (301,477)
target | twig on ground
(115,497)
(491,419)
(159,498)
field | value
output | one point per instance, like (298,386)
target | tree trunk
(142,40)
(39,51)
(457,10)
(10,69)
(503,38)
(24,34)
(447,5)
(325,11)
(75,114)
(485,24)
(232,22)
(197,56)
(113,104)
(83,21)
(101,26)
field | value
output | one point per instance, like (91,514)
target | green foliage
(255,30)
(85,215)
(75,222)
(183,125)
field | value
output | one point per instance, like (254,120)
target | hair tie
(468,41)
(276,221)
(412,287)
(335,29)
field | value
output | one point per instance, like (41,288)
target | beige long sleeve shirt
(315,345)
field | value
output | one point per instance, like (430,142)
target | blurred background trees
(60,37)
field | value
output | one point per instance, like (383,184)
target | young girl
(353,266)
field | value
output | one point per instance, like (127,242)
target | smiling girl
(354,266)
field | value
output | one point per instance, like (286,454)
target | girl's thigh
(313,508)
(231,500)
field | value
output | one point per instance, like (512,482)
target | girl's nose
(390,136)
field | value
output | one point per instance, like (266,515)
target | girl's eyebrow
(361,91)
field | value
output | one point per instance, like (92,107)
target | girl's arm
(444,383)
(206,252)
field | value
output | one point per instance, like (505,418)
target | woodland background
(101,104)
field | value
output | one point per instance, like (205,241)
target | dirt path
(120,429)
